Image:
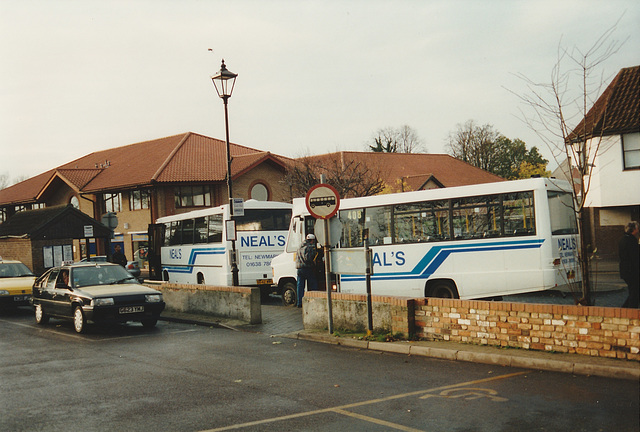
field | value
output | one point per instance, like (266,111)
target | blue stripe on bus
(195,253)
(437,255)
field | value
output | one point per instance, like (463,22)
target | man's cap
(311,237)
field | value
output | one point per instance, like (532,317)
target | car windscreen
(10,270)
(100,275)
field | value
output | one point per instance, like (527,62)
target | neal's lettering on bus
(258,241)
(393,258)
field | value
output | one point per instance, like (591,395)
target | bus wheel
(443,289)
(289,294)
(200,279)
(165,276)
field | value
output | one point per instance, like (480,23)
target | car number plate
(21,298)
(264,281)
(131,309)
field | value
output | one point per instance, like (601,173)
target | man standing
(306,265)
(630,263)
(118,257)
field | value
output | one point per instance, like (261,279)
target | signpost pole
(367,251)
(327,269)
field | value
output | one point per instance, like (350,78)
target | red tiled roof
(188,157)
(26,191)
(617,110)
(79,177)
(446,169)
(200,158)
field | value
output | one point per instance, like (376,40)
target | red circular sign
(322,201)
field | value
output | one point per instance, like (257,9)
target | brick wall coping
(190,287)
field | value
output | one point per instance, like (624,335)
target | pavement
(610,290)
(286,322)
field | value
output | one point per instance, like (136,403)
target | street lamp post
(224,82)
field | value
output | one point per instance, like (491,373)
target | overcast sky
(313,76)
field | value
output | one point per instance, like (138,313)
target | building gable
(59,222)
(617,110)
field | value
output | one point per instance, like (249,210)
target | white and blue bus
(467,242)
(196,247)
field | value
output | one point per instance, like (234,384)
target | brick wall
(267,174)
(594,331)
(17,249)
(241,303)
(37,253)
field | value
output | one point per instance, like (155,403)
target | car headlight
(153,298)
(107,301)
(4,292)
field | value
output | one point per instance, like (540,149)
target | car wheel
(149,323)
(444,289)
(289,295)
(78,320)
(41,317)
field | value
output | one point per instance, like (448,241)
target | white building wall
(611,185)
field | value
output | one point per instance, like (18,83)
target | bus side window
(215,228)
(378,221)
(167,234)
(200,233)
(352,228)
(187,231)
(519,216)
(176,233)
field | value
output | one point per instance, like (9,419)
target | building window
(259,192)
(631,150)
(193,196)
(3,214)
(112,202)
(139,200)
(36,206)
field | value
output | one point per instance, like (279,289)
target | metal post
(327,267)
(367,251)
(234,261)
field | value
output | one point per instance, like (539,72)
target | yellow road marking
(342,409)
(376,421)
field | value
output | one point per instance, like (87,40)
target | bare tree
(555,108)
(350,178)
(401,140)
(4,181)
(476,145)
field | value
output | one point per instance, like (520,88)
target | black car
(94,292)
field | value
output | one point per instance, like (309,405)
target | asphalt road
(180,377)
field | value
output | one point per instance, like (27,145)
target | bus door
(309,228)
(301,227)
(156,240)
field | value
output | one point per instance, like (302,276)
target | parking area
(364,415)
(180,376)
